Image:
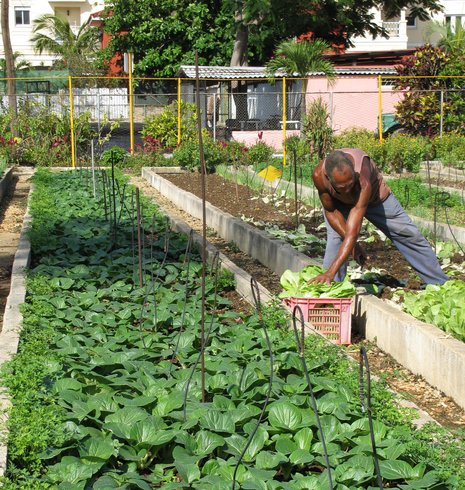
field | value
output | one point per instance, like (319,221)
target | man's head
(339,170)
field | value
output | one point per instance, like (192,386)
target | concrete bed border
(271,252)
(422,348)
(12,323)
(5,182)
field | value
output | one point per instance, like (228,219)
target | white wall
(21,34)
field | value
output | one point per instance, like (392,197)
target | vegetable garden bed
(396,342)
(106,390)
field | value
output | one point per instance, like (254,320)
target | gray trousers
(391,218)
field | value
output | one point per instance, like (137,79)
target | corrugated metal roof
(249,72)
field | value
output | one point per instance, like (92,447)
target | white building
(406,32)
(24,12)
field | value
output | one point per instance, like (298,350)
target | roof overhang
(258,72)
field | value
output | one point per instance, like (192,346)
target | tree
(9,62)
(163,34)
(53,34)
(419,111)
(18,64)
(299,58)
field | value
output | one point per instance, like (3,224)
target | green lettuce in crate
(295,285)
(442,306)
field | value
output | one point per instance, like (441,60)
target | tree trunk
(9,62)
(239,58)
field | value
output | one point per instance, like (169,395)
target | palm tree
(9,62)
(19,65)
(451,38)
(299,58)
(54,34)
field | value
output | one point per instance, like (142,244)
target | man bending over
(351,187)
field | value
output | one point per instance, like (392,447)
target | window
(411,21)
(22,16)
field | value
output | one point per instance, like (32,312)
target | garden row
(106,388)
(391,329)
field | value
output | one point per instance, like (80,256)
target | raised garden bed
(114,384)
(431,358)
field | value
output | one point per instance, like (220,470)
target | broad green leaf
(101,448)
(267,460)
(67,384)
(186,465)
(217,422)
(396,470)
(166,404)
(428,481)
(284,415)
(71,470)
(301,456)
(121,422)
(147,433)
(285,445)
(303,438)
(207,442)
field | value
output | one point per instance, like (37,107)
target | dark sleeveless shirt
(380,190)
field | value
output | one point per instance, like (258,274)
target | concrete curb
(271,252)
(422,348)
(12,322)
(5,182)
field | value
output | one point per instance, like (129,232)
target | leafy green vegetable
(296,285)
(440,305)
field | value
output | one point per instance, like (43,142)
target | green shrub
(260,155)
(405,152)
(317,129)
(114,156)
(153,159)
(42,136)
(450,149)
(235,153)
(164,126)
(187,155)
(411,192)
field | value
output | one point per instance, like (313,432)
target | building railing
(392,28)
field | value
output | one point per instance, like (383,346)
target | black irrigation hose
(215,268)
(187,261)
(258,306)
(300,349)
(365,399)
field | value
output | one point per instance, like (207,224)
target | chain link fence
(247,110)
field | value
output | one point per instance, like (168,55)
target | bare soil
(12,209)
(240,201)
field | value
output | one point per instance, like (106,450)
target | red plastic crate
(330,316)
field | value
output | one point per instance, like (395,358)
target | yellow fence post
(380,110)
(131,106)
(284,121)
(71,121)
(179,111)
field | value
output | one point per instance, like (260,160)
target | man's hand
(359,254)
(325,278)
